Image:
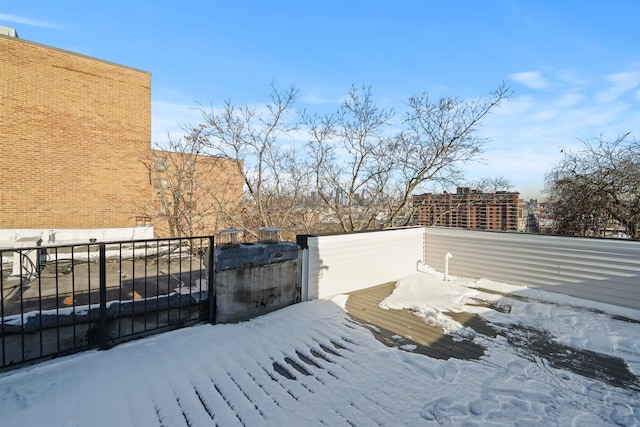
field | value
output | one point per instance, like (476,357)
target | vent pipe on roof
(446,266)
(8,31)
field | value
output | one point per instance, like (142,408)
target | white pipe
(305,275)
(446,266)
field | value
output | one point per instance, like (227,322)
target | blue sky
(574,65)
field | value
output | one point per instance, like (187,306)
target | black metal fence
(62,299)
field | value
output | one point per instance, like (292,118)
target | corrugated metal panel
(597,269)
(348,262)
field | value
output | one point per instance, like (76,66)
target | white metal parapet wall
(603,270)
(343,263)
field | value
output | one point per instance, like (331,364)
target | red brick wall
(74,132)
(217,187)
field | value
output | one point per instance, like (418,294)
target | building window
(160,183)
(160,164)
(143,221)
(190,165)
(161,208)
(189,185)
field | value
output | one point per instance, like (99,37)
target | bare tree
(366,177)
(492,184)
(595,188)
(359,168)
(438,139)
(261,138)
(350,159)
(192,190)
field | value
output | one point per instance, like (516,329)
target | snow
(310,364)
(89,252)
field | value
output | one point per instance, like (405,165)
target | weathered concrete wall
(255,279)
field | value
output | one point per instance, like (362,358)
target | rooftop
(421,351)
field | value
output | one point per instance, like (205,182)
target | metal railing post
(102,259)
(211,277)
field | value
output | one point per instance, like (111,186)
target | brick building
(75,139)
(468,208)
(191,194)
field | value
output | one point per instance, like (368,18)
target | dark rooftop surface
(406,330)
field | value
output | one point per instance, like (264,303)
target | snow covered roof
(312,364)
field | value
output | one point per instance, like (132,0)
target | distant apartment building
(469,209)
(75,140)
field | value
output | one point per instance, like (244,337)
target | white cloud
(168,117)
(516,106)
(624,81)
(569,100)
(545,115)
(525,168)
(531,79)
(619,84)
(28,21)
(316,99)
(571,77)
(527,132)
